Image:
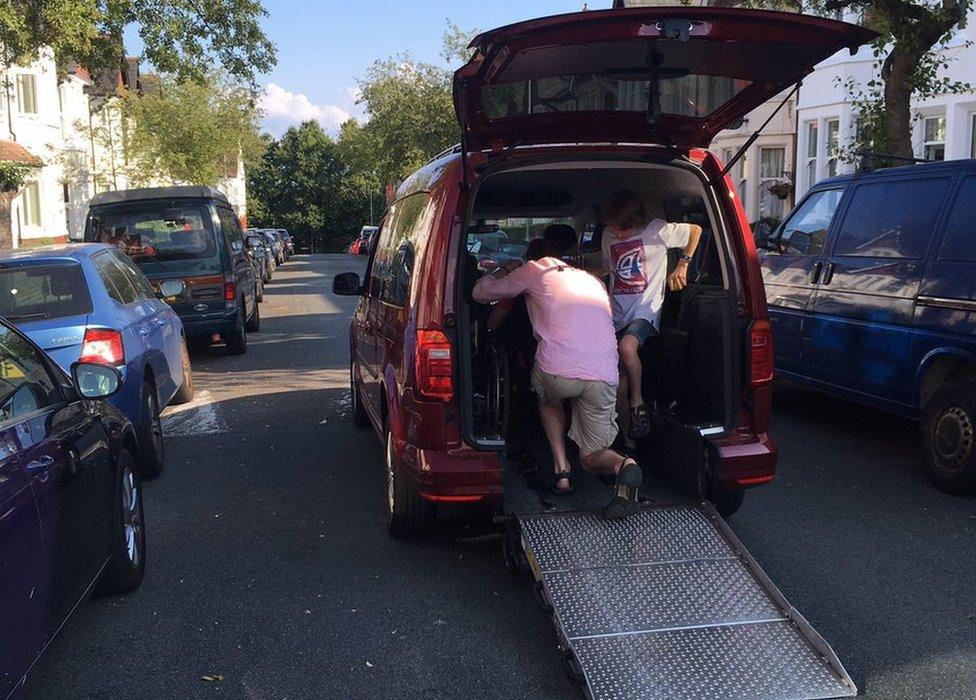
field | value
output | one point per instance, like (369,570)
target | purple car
(71,511)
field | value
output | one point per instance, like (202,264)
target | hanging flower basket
(781,190)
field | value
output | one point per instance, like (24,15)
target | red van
(557,114)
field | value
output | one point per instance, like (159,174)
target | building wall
(824,102)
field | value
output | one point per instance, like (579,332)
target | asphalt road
(271,574)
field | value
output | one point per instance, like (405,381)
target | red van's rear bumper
(454,476)
(747,460)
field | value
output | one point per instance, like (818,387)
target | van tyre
(948,435)
(727,501)
(186,391)
(127,564)
(254,323)
(150,433)
(236,341)
(407,514)
(259,290)
(359,416)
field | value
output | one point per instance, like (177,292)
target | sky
(324,46)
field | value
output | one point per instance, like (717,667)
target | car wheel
(186,391)
(127,563)
(727,501)
(259,294)
(150,434)
(254,323)
(359,416)
(236,341)
(948,434)
(407,514)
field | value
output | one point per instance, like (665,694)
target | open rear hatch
(664,75)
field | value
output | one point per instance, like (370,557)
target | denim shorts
(639,328)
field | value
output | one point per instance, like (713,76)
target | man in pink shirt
(576,359)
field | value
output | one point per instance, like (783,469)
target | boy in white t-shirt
(635,254)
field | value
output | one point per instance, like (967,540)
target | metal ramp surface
(669,604)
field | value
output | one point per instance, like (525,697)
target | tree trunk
(6,234)
(897,72)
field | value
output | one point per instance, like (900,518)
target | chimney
(130,77)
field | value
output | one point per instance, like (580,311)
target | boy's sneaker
(624,501)
(640,423)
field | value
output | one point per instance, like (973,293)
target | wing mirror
(347,284)
(95,381)
(171,288)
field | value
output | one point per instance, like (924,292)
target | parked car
(548,134)
(71,515)
(90,303)
(261,255)
(871,296)
(190,234)
(288,242)
(276,244)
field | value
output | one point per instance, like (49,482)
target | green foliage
(13,175)
(183,37)
(183,131)
(303,185)
(454,43)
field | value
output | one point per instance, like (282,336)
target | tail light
(230,288)
(103,346)
(434,366)
(760,353)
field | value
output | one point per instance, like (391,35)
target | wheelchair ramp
(669,604)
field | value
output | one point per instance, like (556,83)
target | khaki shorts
(594,425)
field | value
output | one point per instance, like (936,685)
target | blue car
(871,286)
(90,303)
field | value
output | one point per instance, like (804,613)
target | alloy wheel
(390,474)
(155,423)
(132,520)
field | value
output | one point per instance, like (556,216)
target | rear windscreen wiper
(27,317)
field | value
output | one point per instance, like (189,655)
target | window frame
(926,143)
(31,204)
(31,79)
(54,373)
(813,141)
(108,256)
(777,236)
(944,231)
(832,146)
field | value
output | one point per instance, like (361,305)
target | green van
(188,234)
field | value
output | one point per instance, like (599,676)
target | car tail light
(434,366)
(230,289)
(103,346)
(760,353)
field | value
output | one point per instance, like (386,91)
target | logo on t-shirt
(629,267)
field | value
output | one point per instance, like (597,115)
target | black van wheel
(150,434)
(359,416)
(259,293)
(948,435)
(236,341)
(727,501)
(127,564)
(407,514)
(254,323)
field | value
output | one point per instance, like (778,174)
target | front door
(791,266)
(859,336)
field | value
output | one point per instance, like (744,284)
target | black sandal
(640,423)
(624,500)
(559,476)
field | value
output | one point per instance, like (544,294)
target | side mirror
(95,381)
(347,284)
(761,233)
(171,288)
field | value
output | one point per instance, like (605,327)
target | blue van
(871,286)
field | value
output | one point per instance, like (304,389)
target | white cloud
(283,109)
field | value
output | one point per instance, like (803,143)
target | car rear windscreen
(156,234)
(29,292)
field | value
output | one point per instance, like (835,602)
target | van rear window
(172,233)
(29,292)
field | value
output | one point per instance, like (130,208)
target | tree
(183,131)
(303,185)
(183,37)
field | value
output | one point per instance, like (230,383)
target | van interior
(691,384)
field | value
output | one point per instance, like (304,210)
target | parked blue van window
(891,219)
(807,232)
(959,241)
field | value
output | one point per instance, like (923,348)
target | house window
(833,146)
(32,204)
(812,141)
(772,164)
(27,94)
(742,177)
(935,133)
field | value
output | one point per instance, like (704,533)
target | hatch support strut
(755,135)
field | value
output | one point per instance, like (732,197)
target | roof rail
(867,156)
(456,148)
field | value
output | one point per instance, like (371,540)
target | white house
(944,126)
